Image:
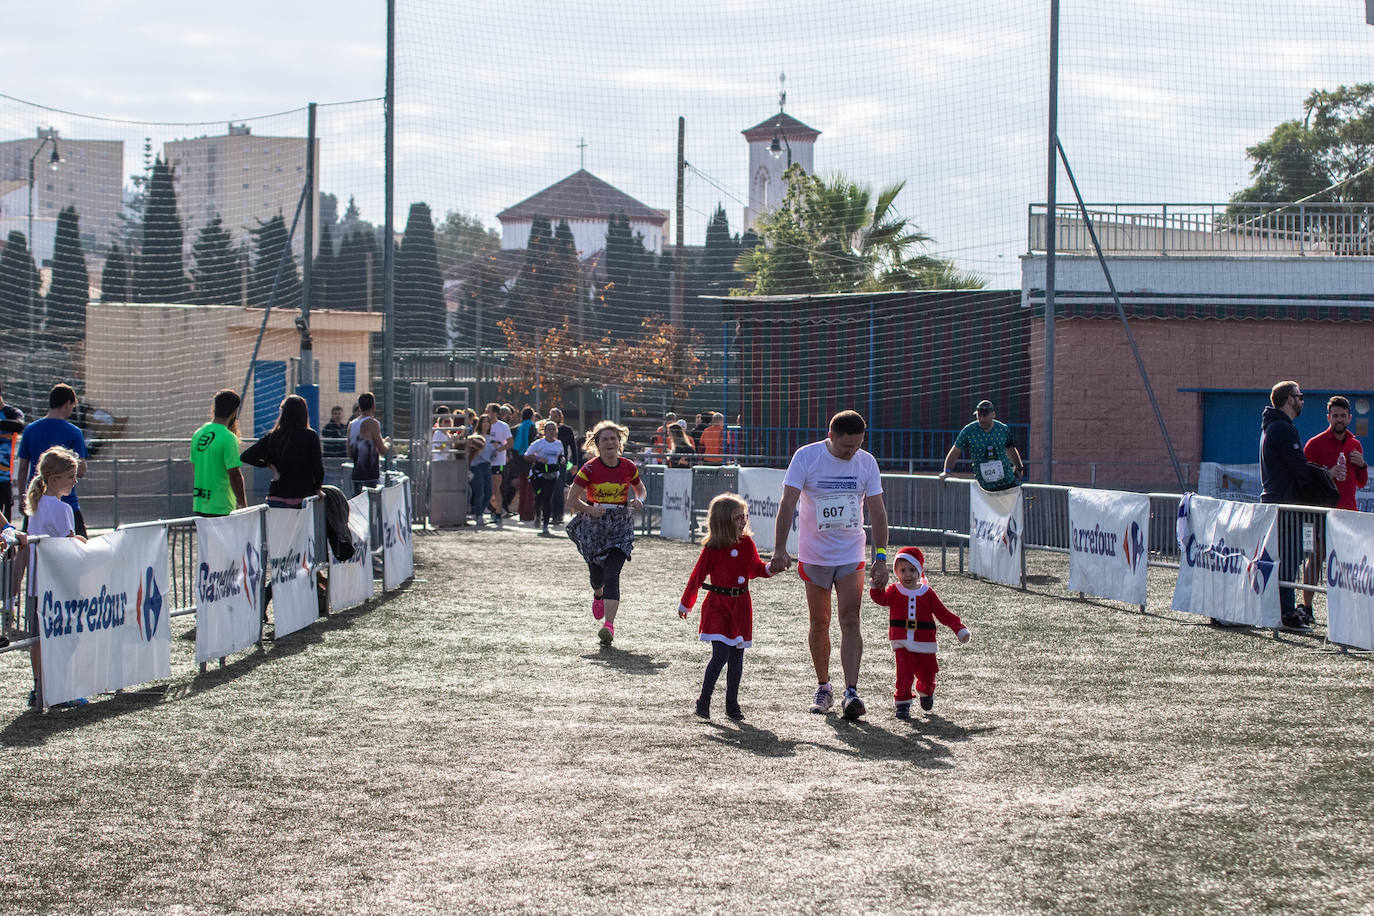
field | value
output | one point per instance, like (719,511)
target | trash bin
(448,492)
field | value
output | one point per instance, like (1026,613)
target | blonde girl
(50,516)
(728,561)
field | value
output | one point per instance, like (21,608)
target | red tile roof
(581,196)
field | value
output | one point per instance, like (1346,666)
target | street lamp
(54,160)
(775,148)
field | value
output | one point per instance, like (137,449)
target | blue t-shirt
(41,435)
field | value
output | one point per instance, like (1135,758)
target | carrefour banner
(1107,555)
(398,557)
(290,549)
(229,578)
(1349,579)
(350,582)
(762,490)
(1228,563)
(677,504)
(995,527)
(102,612)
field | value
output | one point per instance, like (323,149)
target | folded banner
(1107,555)
(1349,579)
(350,582)
(229,580)
(1228,563)
(290,549)
(103,611)
(398,558)
(677,504)
(995,527)
(762,490)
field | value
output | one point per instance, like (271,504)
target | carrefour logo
(1133,545)
(149,605)
(997,531)
(1257,567)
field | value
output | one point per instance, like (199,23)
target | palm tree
(834,236)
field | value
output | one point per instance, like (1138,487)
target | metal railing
(1261,229)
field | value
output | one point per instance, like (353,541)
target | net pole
(307,250)
(1051,213)
(388,224)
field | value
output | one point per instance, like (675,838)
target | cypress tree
(71,284)
(351,272)
(114,278)
(421,314)
(322,278)
(159,274)
(19,284)
(215,269)
(269,244)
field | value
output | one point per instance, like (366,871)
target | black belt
(722,590)
(912,624)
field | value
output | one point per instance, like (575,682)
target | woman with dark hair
(292,451)
(680,454)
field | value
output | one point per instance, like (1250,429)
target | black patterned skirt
(596,537)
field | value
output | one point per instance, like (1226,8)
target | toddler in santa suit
(728,561)
(912,609)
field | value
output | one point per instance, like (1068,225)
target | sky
(1158,98)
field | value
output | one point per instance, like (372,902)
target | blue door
(1231,422)
(269,389)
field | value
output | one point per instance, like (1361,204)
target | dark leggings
(723,654)
(606,575)
(544,489)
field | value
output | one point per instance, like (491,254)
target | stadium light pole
(54,161)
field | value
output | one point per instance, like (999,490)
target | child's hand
(683,610)
(964,635)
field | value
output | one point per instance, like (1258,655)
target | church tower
(775,144)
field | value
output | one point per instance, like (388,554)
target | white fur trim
(912,592)
(738,641)
(683,610)
(911,645)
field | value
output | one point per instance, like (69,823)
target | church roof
(783,123)
(581,196)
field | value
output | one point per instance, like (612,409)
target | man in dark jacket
(1283,469)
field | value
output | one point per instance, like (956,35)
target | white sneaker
(825,699)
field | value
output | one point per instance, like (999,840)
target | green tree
(215,271)
(71,286)
(159,275)
(269,245)
(835,236)
(358,274)
(114,277)
(421,315)
(460,238)
(637,284)
(19,284)
(1327,153)
(324,275)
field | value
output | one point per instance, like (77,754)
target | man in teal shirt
(218,482)
(997,464)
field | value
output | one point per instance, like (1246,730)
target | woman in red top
(603,493)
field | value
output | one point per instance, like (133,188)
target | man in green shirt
(218,483)
(996,463)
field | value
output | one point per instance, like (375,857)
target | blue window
(348,378)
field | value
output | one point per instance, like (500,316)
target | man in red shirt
(1339,452)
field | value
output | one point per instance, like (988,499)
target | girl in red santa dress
(913,608)
(728,560)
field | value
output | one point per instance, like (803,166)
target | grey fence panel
(1046,511)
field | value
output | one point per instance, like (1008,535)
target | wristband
(879,553)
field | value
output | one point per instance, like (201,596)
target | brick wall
(1102,414)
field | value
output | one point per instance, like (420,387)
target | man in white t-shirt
(834,480)
(500,438)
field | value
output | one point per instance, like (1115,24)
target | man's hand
(1356,459)
(879,574)
(944,475)
(779,563)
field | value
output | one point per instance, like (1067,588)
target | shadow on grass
(32,728)
(755,740)
(921,742)
(625,661)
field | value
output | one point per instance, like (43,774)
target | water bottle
(1340,467)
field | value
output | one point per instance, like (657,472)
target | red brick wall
(1102,414)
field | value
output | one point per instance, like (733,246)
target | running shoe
(852,707)
(904,709)
(825,699)
(928,703)
(703,708)
(606,634)
(734,712)
(598,608)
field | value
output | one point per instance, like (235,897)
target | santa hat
(913,556)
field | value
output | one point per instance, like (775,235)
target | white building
(244,179)
(586,203)
(89,177)
(796,143)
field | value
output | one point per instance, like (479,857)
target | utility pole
(679,259)
(1051,215)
